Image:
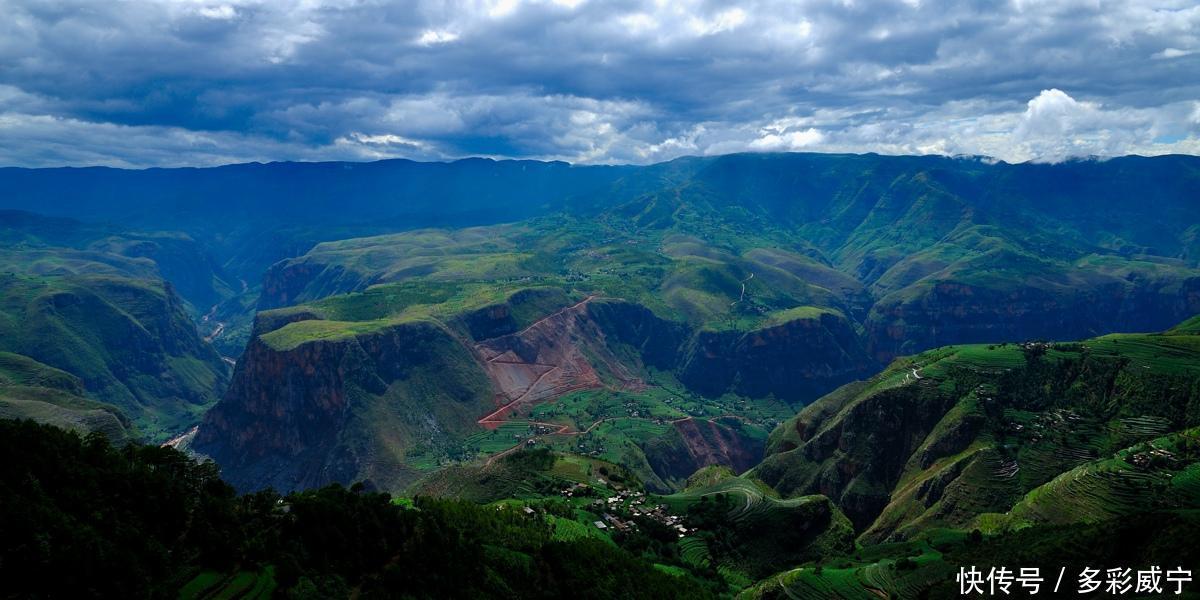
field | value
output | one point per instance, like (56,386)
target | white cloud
(638,22)
(726,20)
(1173,53)
(1055,126)
(383,139)
(1053,113)
(432,37)
(792,140)
(223,12)
(498,9)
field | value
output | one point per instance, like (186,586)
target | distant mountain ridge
(401,194)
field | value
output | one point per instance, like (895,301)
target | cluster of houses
(578,490)
(635,504)
(1154,457)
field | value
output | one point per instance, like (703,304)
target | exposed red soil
(544,361)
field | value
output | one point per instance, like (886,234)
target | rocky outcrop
(719,442)
(796,361)
(351,407)
(590,343)
(656,341)
(343,410)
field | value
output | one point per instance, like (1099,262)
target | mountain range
(836,372)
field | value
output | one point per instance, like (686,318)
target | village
(619,510)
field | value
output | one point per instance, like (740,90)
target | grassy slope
(1084,474)
(90,301)
(32,390)
(524,476)
(677,275)
(128,340)
(768,533)
(891,237)
(1008,427)
(1160,474)
(926,568)
(806,238)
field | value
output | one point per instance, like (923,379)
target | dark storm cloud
(208,81)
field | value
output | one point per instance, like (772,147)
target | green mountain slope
(32,390)
(927,569)
(1055,456)
(941,438)
(90,302)
(128,340)
(727,528)
(429,372)
(1088,247)
(60,245)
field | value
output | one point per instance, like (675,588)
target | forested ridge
(81,518)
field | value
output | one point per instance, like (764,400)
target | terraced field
(1156,475)
(243,585)
(566,530)
(985,427)
(1089,493)
(908,573)
(1163,353)
(695,552)
(503,437)
(749,498)
(770,533)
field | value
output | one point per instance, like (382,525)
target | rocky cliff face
(796,361)
(343,410)
(946,313)
(694,444)
(353,407)
(547,359)
(294,281)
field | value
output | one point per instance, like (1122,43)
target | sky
(145,83)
